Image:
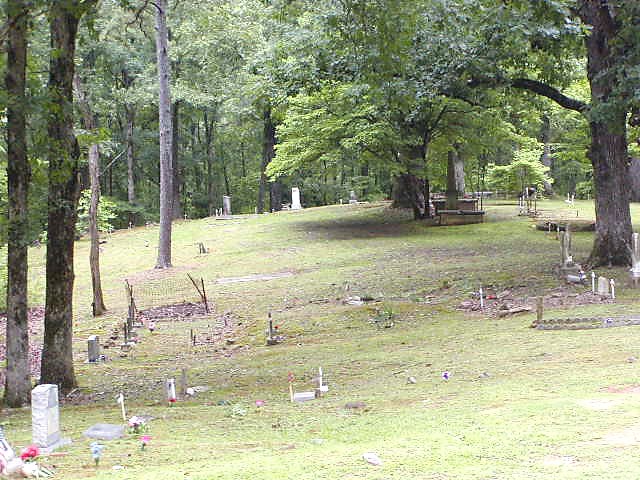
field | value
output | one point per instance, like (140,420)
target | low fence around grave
(173,290)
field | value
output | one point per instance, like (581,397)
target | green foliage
(526,170)
(585,190)
(106,213)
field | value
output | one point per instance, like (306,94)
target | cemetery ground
(519,403)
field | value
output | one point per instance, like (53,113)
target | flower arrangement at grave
(144,441)
(446,375)
(137,425)
(96,451)
(30,453)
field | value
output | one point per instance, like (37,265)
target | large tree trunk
(545,158)
(131,161)
(63,153)
(608,152)
(455,178)
(177,177)
(275,196)
(268,153)
(164,107)
(208,132)
(17,388)
(409,192)
(90,123)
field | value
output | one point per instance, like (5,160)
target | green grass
(521,403)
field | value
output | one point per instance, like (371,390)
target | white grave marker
(603,287)
(295,199)
(45,418)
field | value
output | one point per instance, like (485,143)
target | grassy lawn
(520,403)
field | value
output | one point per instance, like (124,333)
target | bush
(584,190)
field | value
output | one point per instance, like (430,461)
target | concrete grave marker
(93,349)
(635,256)
(295,199)
(45,418)
(603,286)
(352,197)
(226,205)
(104,431)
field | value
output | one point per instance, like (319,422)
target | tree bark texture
(177,210)
(17,388)
(90,123)
(166,163)
(546,159)
(455,178)
(208,133)
(608,151)
(268,153)
(409,192)
(131,161)
(63,153)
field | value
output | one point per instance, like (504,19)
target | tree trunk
(268,153)
(275,196)
(17,388)
(164,107)
(409,192)
(545,158)
(608,151)
(63,152)
(208,132)
(177,177)
(131,161)
(90,123)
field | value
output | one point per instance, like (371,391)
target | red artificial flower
(290,376)
(29,453)
(277,327)
(172,400)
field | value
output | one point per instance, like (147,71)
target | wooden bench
(460,217)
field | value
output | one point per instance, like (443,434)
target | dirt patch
(173,312)
(255,278)
(559,461)
(36,329)
(623,438)
(498,303)
(599,403)
(623,389)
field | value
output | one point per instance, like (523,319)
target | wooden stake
(540,309)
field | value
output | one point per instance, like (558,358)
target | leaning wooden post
(540,309)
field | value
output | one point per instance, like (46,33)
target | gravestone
(93,349)
(352,197)
(295,199)
(635,256)
(603,286)
(45,418)
(226,205)
(104,431)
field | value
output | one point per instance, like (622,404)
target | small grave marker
(93,349)
(612,283)
(603,286)
(226,205)
(171,391)
(120,401)
(593,282)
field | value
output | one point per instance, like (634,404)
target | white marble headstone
(295,199)
(603,286)
(45,418)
